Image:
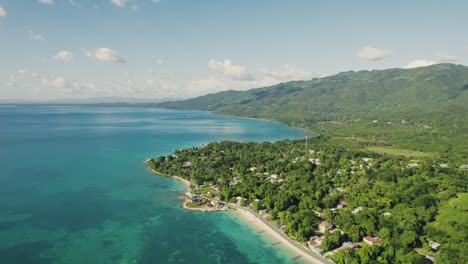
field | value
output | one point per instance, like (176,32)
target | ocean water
(73,188)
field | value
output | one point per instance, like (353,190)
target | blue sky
(53,49)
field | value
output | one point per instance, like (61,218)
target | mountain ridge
(350,93)
(420,109)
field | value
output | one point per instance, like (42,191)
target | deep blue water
(73,188)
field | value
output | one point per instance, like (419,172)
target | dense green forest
(295,182)
(390,141)
(422,109)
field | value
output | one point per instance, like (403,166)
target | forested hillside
(421,109)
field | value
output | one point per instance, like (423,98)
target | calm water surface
(73,188)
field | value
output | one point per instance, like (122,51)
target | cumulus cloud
(230,70)
(159,61)
(374,54)
(54,82)
(119,3)
(46,2)
(64,56)
(263,77)
(105,54)
(419,63)
(3,12)
(441,57)
(35,36)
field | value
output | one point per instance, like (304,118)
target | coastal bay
(75,190)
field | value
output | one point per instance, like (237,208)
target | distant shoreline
(184,181)
(258,223)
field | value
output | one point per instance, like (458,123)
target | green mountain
(351,94)
(425,106)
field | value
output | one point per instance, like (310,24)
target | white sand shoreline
(294,247)
(184,181)
(301,253)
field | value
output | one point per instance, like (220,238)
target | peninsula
(321,198)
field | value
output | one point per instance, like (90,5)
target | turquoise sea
(73,188)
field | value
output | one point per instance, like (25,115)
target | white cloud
(54,82)
(289,73)
(119,3)
(441,57)
(46,2)
(64,56)
(135,7)
(156,1)
(419,63)
(3,12)
(159,61)
(35,36)
(231,78)
(230,70)
(214,85)
(105,54)
(374,54)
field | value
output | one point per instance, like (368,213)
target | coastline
(283,241)
(182,180)
(302,253)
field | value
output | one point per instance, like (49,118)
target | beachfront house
(241,201)
(315,246)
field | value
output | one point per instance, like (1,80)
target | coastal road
(315,257)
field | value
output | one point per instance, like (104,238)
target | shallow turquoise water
(73,188)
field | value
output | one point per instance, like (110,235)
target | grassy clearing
(456,210)
(401,152)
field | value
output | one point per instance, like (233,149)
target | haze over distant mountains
(348,95)
(96,100)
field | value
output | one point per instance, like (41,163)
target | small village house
(370,240)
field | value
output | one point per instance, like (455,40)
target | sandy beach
(184,181)
(259,224)
(302,254)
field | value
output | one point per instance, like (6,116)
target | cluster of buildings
(315,242)
(208,201)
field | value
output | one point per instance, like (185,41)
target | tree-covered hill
(427,106)
(351,94)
